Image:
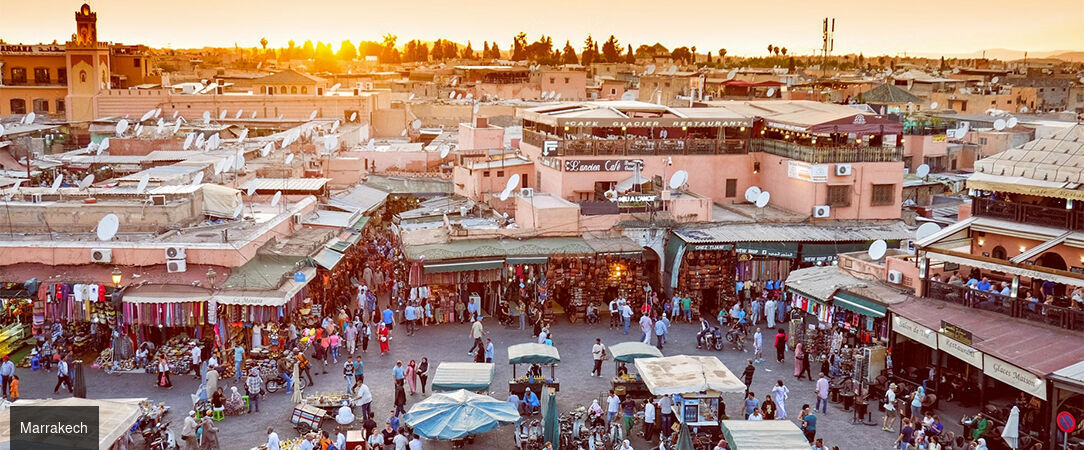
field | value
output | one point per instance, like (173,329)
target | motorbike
(158,436)
(710,340)
(736,338)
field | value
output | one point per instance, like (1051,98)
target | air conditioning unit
(175,253)
(822,211)
(526,192)
(843,170)
(895,276)
(158,200)
(298,218)
(101,255)
(177,265)
(35,198)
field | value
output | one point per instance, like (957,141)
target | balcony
(827,154)
(1060,218)
(1056,314)
(636,146)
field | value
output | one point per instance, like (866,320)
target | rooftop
(797,232)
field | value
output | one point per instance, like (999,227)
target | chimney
(481,122)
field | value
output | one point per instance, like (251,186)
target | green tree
(630,57)
(611,50)
(569,54)
(263,43)
(291,50)
(681,54)
(369,48)
(307,50)
(771,49)
(450,49)
(784,50)
(347,51)
(437,53)
(485,49)
(589,54)
(541,51)
(722,53)
(468,52)
(519,44)
(389,54)
(495,51)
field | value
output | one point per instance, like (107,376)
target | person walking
(63,377)
(303,365)
(613,405)
(768,407)
(822,393)
(687,308)
(350,333)
(384,336)
(238,359)
(359,370)
(629,408)
(423,373)
(799,356)
(365,331)
(409,375)
(626,316)
(890,408)
(649,421)
(348,374)
(398,373)
(780,345)
(809,423)
(781,393)
(163,373)
(400,399)
(906,436)
(748,375)
(660,333)
(188,432)
(645,329)
(364,397)
(254,387)
(758,346)
(334,343)
(409,314)
(194,354)
(615,314)
(751,403)
(7,370)
(489,349)
(476,333)
(666,415)
(598,353)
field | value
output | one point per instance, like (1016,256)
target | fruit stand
(625,353)
(533,353)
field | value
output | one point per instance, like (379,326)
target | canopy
(630,351)
(533,353)
(451,376)
(764,434)
(115,416)
(220,201)
(454,415)
(685,374)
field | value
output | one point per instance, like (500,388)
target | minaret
(88,66)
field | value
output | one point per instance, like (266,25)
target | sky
(872,27)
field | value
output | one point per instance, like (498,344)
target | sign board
(669,122)
(1066,422)
(914,331)
(299,276)
(548,147)
(711,247)
(941,137)
(1014,376)
(889,140)
(962,352)
(602,165)
(955,332)
(815,173)
(637,198)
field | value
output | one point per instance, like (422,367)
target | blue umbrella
(457,414)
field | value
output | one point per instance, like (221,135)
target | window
(999,253)
(82,76)
(18,75)
(282,90)
(500,173)
(731,187)
(59,105)
(553,80)
(839,195)
(293,89)
(41,106)
(613,91)
(18,106)
(567,79)
(304,89)
(883,194)
(62,76)
(667,84)
(41,75)
(135,62)
(485,173)
(982,141)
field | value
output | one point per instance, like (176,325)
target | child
(14,388)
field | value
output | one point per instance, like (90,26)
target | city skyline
(975,26)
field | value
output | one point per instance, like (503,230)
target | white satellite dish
(189,140)
(504,195)
(143,182)
(86,182)
(218,166)
(177,126)
(97,149)
(222,114)
(228,165)
(679,179)
(289,159)
(922,170)
(513,181)
(672,70)
(253,115)
(282,116)
(1,130)
(108,226)
(403,133)
(999,124)
(962,130)
(239,112)
(730,75)
(56,184)
(104,145)
(196,180)
(147,115)
(663,134)
(206,116)
(926,230)
(275,200)
(138,129)
(444,149)
(161,125)
(751,194)
(330,142)
(176,113)
(455,80)
(763,199)
(451,95)
(650,69)
(371,143)
(237,211)
(242,136)
(1011,123)
(771,92)
(877,249)
(475,109)
(1024,109)
(122,126)
(239,162)
(266,149)
(459,96)
(353,116)
(933,105)
(313,115)
(628,97)
(994,80)
(251,190)
(558,97)
(411,97)
(335,126)
(416,124)
(213,141)
(335,86)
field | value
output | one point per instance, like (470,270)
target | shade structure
(683,374)
(533,353)
(115,416)
(1011,432)
(457,414)
(551,426)
(763,434)
(627,352)
(451,376)
(685,441)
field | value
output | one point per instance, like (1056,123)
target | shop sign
(1015,377)
(814,173)
(711,247)
(602,165)
(654,123)
(914,331)
(964,352)
(212,311)
(956,333)
(940,138)
(787,127)
(549,146)
(299,277)
(637,198)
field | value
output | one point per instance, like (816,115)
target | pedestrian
(409,316)
(340,439)
(598,353)
(756,306)
(916,404)
(613,405)
(476,333)
(209,437)
(666,413)
(350,333)
(238,359)
(768,407)
(666,327)
(254,387)
(687,308)
(781,393)
(780,345)
(522,314)
(163,372)
(348,374)
(364,396)
(415,442)
(799,356)
(748,374)
(890,408)
(398,373)
(194,353)
(62,376)
(423,373)
(400,399)
(769,311)
(303,364)
(626,316)
(489,350)
(758,346)
(384,334)
(660,332)
(388,317)
(906,436)
(751,403)
(365,332)
(13,388)
(822,393)
(409,373)
(334,342)
(645,329)
(7,370)
(188,432)
(649,421)
(359,370)
(809,423)
(629,408)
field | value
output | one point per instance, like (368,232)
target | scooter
(159,437)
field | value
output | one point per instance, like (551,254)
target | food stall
(452,376)
(696,385)
(764,434)
(625,353)
(533,353)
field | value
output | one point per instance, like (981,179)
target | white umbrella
(1011,432)
(296,398)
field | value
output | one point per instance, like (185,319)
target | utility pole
(828,44)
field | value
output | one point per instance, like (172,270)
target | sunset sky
(743,28)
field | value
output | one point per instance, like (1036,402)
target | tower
(88,65)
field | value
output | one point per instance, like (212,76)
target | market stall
(764,434)
(474,377)
(459,414)
(115,417)
(623,354)
(536,355)
(696,384)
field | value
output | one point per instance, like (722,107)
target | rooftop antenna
(207,117)
(177,126)
(922,171)
(672,70)
(752,194)
(444,149)
(218,166)
(242,136)
(829,43)
(56,184)
(222,115)
(107,227)
(1,130)
(763,198)
(771,92)
(147,115)
(411,97)
(86,182)
(313,115)
(175,114)
(188,140)
(353,116)
(29,118)
(160,127)
(251,190)
(276,198)
(1011,122)
(266,149)
(999,124)
(335,126)
(628,96)
(933,105)
(877,250)
(196,180)
(678,179)
(104,145)
(289,159)
(253,115)
(513,181)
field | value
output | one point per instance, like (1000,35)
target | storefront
(156,313)
(259,318)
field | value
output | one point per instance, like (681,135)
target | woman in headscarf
(209,438)
(781,393)
(799,355)
(916,403)
(423,373)
(235,405)
(411,370)
(768,407)
(595,414)
(980,444)
(384,338)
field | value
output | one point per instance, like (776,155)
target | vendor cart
(623,354)
(307,418)
(452,376)
(764,434)
(533,353)
(695,384)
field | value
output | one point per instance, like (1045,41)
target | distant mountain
(1005,54)
(1070,56)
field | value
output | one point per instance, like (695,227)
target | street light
(117,275)
(211,276)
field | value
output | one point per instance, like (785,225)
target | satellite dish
(242,136)
(56,184)
(104,145)
(86,182)
(558,97)
(313,115)
(335,86)
(138,129)
(213,141)
(206,116)
(353,116)
(108,226)
(160,126)
(877,249)
(926,230)
(922,170)
(955,70)
(142,186)
(751,194)
(253,115)
(470,96)
(237,211)
(177,126)
(504,195)
(403,133)
(763,199)
(1,130)
(239,112)
(218,166)
(251,190)
(1024,109)
(147,115)
(371,143)
(672,70)
(663,134)
(330,142)
(455,80)
(266,149)
(730,75)
(289,158)
(222,114)
(275,200)
(97,149)
(411,97)
(459,96)
(628,97)
(188,140)
(416,124)
(933,105)
(122,126)
(335,126)
(962,129)
(610,195)
(679,179)
(1011,123)
(451,95)
(444,149)
(175,114)
(229,163)
(771,92)
(650,69)
(999,124)
(476,108)
(513,181)
(240,162)
(196,180)
(995,80)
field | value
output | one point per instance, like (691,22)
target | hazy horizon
(930,28)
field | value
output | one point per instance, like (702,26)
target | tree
(291,50)
(263,43)
(784,50)
(569,55)
(370,48)
(485,49)
(519,44)
(541,51)
(611,50)
(450,49)
(307,50)
(681,54)
(389,54)
(770,49)
(495,51)
(722,53)
(468,53)
(630,57)
(437,54)
(589,54)
(693,51)
(347,51)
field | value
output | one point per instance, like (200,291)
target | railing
(1061,218)
(827,155)
(636,146)
(1065,317)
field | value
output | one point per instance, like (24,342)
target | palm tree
(770,49)
(722,53)
(776,50)
(263,43)
(784,51)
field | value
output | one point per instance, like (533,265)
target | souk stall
(764,434)
(452,376)
(115,417)
(458,415)
(609,267)
(625,353)
(696,385)
(536,355)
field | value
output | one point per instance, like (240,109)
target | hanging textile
(180,314)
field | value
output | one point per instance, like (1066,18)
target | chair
(245,398)
(35,363)
(218,414)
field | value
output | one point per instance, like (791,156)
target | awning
(463,266)
(328,258)
(1036,250)
(858,304)
(527,259)
(685,374)
(169,293)
(1014,376)
(915,331)
(360,224)
(474,377)
(533,353)
(277,297)
(1022,185)
(936,254)
(776,249)
(763,434)
(829,252)
(631,351)
(340,246)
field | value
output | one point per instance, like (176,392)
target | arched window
(82,76)
(998,253)
(18,106)
(304,89)
(293,89)
(282,90)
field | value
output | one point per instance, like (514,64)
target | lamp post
(117,277)
(211,276)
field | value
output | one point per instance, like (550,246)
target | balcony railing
(1061,218)
(827,155)
(636,146)
(1051,314)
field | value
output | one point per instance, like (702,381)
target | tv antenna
(829,42)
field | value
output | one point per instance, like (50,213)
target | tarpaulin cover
(764,434)
(457,414)
(451,376)
(264,272)
(627,352)
(685,374)
(115,416)
(533,353)
(220,201)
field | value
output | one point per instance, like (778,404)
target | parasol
(457,414)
